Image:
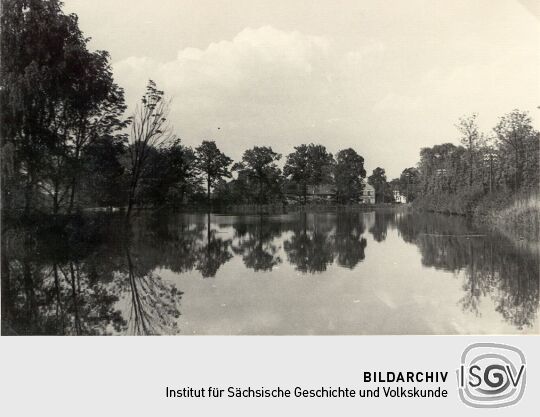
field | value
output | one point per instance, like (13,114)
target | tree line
(492,165)
(66,143)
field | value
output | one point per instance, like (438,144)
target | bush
(515,214)
(463,202)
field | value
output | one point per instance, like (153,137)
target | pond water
(344,272)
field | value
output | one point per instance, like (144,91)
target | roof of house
(368,186)
(323,189)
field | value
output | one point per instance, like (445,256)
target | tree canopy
(349,175)
(213,163)
(258,167)
(309,165)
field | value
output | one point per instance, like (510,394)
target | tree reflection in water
(214,252)
(255,242)
(154,304)
(81,282)
(319,238)
(49,288)
(97,277)
(349,241)
(493,265)
(311,248)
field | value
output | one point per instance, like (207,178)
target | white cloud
(261,67)
(282,88)
(265,85)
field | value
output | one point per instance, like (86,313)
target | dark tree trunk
(74,178)
(56,205)
(28,286)
(130,205)
(78,328)
(518,170)
(471,170)
(208,228)
(7,297)
(490,173)
(59,310)
(208,189)
(72,195)
(132,190)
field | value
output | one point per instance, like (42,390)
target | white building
(368,194)
(399,198)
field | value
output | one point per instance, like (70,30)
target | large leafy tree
(169,176)
(383,191)
(182,172)
(213,163)
(96,109)
(32,43)
(518,141)
(408,183)
(258,167)
(56,98)
(443,169)
(348,175)
(309,165)
(103,180)
(297,168)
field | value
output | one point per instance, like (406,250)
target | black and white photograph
(286,168)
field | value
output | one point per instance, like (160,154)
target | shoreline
(202,208)
(519,220)
(518,217)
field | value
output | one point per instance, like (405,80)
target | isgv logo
(491,375)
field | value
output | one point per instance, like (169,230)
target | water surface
(344,272)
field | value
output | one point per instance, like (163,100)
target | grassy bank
(517,215)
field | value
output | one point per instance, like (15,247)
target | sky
(383,77)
